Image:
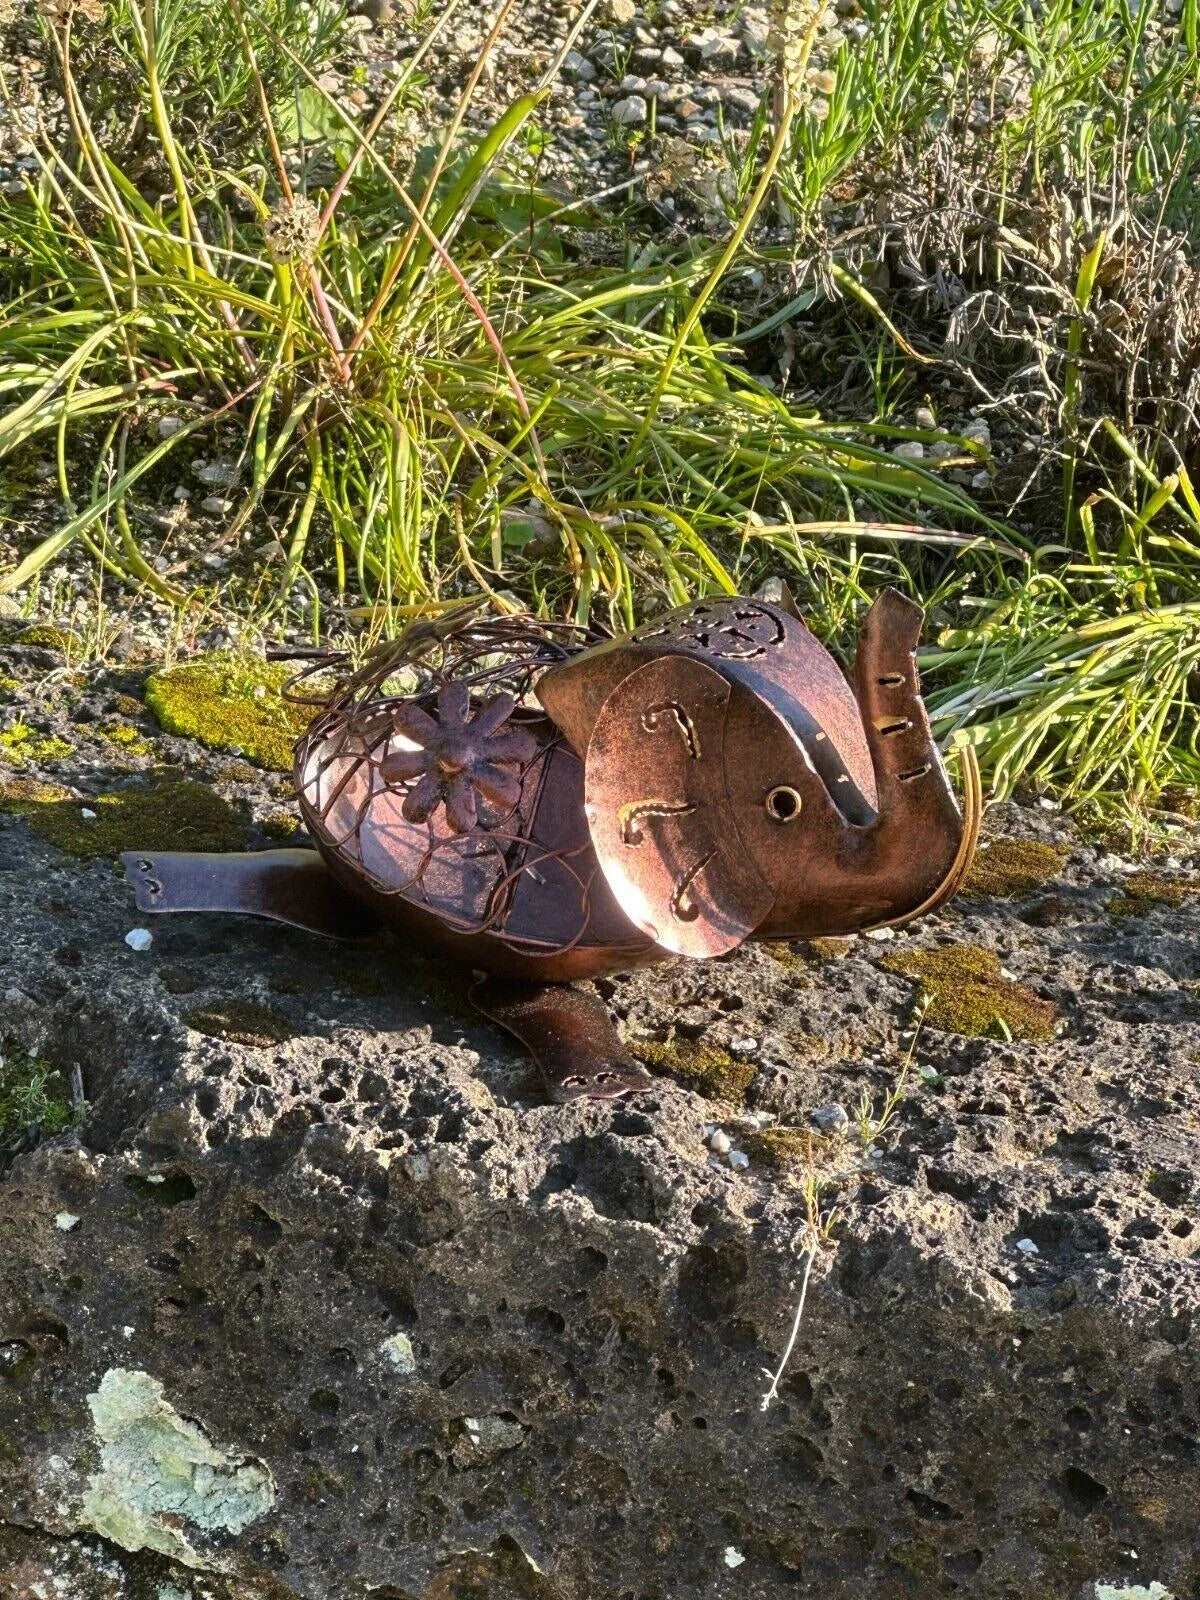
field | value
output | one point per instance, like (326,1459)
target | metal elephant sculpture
(543,805)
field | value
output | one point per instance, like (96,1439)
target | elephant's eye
(783,803)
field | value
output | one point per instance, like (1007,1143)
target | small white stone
(880,935)
(167,427)
(127,1332)
(733,1556)
(216,505)
(744,1047)
(719,1143)
(738,1160)
(630,112)
(65,1221)
(139,938)
(88,814)
(910,450)
(398,1353)
(1027,1247)
(924,418)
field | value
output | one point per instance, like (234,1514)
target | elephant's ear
(659,815)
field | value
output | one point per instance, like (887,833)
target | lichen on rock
(967,992)
(159,1471)
(230,703)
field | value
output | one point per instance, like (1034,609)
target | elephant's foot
(569,1034)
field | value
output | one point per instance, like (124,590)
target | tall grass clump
(422,390)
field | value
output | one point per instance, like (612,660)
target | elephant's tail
(292,886)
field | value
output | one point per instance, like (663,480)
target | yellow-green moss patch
(48,637)
(1145,890)
(21,744)
(968,993)
(126,738)
(168,815)
(706,1068)
(1005,869)
(785,1149)
(241,1022)
(8,686)
(280,824)
(32,1095)
(831,949)
(230,704)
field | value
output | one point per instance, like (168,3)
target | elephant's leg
(569,1034)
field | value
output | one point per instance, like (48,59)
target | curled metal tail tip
(139,874)
(600,1082)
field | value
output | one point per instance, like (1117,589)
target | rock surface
(348,1311)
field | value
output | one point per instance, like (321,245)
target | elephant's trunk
(922,844)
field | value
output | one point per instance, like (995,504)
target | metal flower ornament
(546,804)
(459,757)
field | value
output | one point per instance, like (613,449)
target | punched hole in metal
(783,803)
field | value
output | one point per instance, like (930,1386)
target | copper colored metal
(547,804)
(568,1033)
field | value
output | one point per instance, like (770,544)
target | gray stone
(832,1118)
(630,112)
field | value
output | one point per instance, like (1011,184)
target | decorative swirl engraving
(630,815)
(726,629)
(652,720)
(683,907)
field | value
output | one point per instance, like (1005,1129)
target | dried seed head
(790,24)
(61,11)
(293,229)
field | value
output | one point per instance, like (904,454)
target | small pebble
(65,1221)
(1027,1247)
(744,1047)
(719,1142)
(880,935)
(910,450)
(733,1556)
(139,938)
(738,1159)
(87,814)
(833,1118)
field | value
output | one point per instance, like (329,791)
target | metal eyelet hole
(783,803)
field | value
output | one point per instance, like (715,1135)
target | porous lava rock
(341,1308)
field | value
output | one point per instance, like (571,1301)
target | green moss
(19,795)
(8,686)
(706,1068)
(1008,868)
(968,993)
(48,637)
(280,824)
(240,1022)
(833,949)
(230,704)
(20,745)
(166,815)
(32,1095)
(125,738)
(1145,890)
(785,1149)
(127,705)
